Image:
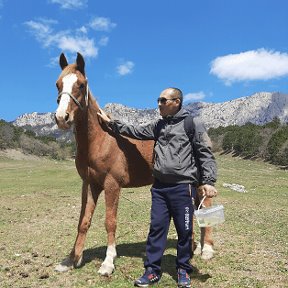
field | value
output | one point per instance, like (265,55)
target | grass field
(39,210)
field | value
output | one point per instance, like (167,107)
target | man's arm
(142,132)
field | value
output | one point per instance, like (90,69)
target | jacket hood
(182,113)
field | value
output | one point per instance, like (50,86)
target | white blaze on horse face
(68,82)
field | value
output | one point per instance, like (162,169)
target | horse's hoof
(198,249)
(207,252)
(106,270)
(65,265)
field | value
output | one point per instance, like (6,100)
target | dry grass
(40,205)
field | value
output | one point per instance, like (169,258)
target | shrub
(251,140)
(275,143)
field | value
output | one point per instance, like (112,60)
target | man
(180,165)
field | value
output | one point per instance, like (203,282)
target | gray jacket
(175,161)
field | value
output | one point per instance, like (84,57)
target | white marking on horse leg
(107,266)
(65,265)
(207,252)
(198,249)
(79,263)
(68,82)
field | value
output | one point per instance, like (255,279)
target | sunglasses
(164,100)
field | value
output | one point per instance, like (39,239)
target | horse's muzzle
(63,123)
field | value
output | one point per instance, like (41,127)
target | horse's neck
(87,125)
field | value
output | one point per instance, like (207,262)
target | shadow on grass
(138,250)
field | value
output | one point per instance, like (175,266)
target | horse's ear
(80,63)
(63,61)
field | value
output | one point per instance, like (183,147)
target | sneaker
(150,277)
(183,279)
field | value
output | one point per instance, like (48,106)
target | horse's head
(72,91)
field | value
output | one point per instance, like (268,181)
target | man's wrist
(207,182)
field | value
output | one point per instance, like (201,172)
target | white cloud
(194,96)
(258,64)
(41,29)
(72,41)
(83,30)
(77,44)
(70,4)
(101,24)
(125,68)
(64,40)
(53,62)
(103,41)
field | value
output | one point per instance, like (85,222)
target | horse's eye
(81,86)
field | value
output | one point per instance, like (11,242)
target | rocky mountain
(42,124)
(259,109)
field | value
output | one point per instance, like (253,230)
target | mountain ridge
(259,108)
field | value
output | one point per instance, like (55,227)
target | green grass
(40,206)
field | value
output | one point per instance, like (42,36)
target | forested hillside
(268,142)
(12,137)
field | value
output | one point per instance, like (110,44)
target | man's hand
(103,116)
(207,190)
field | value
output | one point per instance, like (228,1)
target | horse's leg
(206,236)
(197,249)
(111,200)
(87,210)
(205,246)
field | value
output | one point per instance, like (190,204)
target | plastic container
(210,216)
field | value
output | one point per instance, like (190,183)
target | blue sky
(214,50)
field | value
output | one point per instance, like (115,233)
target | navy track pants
(170,201)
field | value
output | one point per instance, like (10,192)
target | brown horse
(104,161)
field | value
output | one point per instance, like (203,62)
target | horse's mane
(68,70)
